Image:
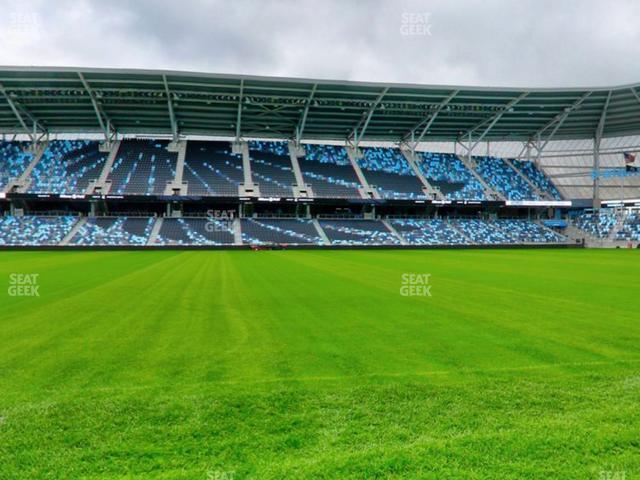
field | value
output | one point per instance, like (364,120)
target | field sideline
(311,364)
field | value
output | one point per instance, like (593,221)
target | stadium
(269,178)
(227,276)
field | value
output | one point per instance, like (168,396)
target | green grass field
(311,364)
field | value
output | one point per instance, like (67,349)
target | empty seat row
(14,160)
(358,232)
(279,231)
(211,168)
(143,167)
(390,173)
(497,173)
(630,229)
(597,224)
(271,168)
(428,232)
(67,167)
(195,231)
(449,174)
(113,231)
(35,230)
(538,178)
(328,170)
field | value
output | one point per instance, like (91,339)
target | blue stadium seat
(328,170)
(630,230)
(428,232)
(195,231)
(598,224)
(525,231)
(446,172)
(482,232)
(34,230)
(14,160)
(504,179)
(210,168)
(142,167)
(358,232)
(67,166)
(388,170)
(537,177)
(279,231)
(114,231)
(271,168)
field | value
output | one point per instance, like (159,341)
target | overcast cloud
(483,42)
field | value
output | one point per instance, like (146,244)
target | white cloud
(475,42)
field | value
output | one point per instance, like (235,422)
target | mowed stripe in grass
(311,364)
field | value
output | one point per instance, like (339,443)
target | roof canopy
(77,100)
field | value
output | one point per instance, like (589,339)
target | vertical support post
(596,153)
(596,172)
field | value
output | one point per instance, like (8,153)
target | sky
(512,43)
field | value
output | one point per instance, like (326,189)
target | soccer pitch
(313,364)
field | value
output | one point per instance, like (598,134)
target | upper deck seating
(328,170)
(389,171)
(143,167)
(210,168)
(67,167)
(448,173)
(271,168)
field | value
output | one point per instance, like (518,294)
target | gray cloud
(474,42)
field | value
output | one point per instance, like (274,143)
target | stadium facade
(131,158)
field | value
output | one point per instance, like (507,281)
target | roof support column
(105,123)
(558,120)
(303,120)
(596,153)
(357,136)
(239,112)
(426,123)
(18,111)
(172,115)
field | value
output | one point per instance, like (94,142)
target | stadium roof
(83,100)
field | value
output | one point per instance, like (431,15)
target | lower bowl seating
(358,232)
(279,231)
(428,232)
(195,231)
(597,224)
(34,230)
(114,231)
